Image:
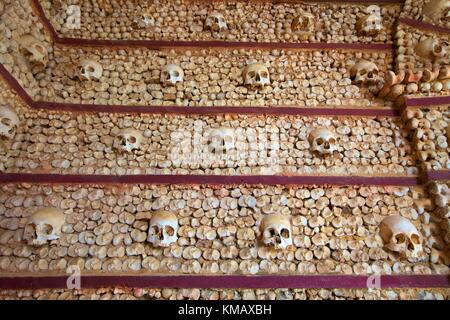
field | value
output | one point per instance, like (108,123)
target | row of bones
(305,23)
(256,75)
(398,233)
(218,140)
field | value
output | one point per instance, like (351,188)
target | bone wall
(84,144)
(227,294)
(246,21)
(407,38)
(211,77)
(429,134)
(17,19)
(414,9)
(333,229)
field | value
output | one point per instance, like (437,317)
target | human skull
(276,231)
(369,25)
(373,9)
(216,22)
(400,235)
(9,122)
(431,48)
(364,72)
(256,75)
(73,20)
(305,22)
(43,226)
(163,229)
(171,74)
(143,21)
(220,139)
(128,140)
(89,70)
(34,51)
(322,141)
(435,10)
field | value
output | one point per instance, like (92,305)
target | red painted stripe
(424,25)
(230,281)
(157,44)
(438,175)
(427,101)
(206,179)
(15,85)
(269,110)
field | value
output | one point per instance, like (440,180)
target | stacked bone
(440,193)
(413,82)
(436,12)
(429,132)
(25,49)
(257,230)
(232,21)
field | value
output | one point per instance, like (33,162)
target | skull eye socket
(90,69)
(320,141)
(332,141)
(31,231)
(169,231)
(48,229)
(271,232)
(264,74)
(251,74)
(175,73)
(285,233)
(400,238)
(132,139)
(6,121)
(157,232)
